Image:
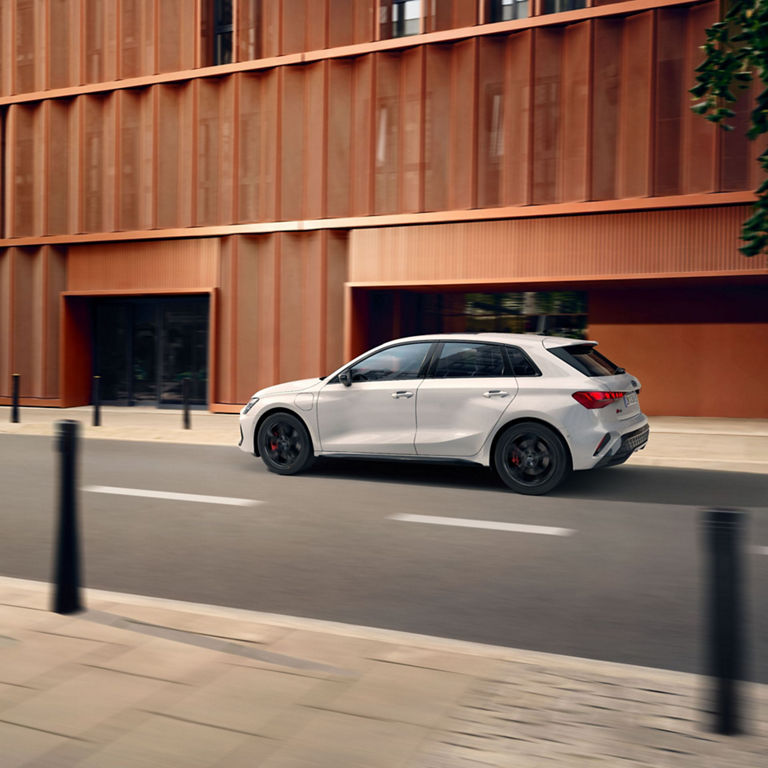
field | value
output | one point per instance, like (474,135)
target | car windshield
(587,360)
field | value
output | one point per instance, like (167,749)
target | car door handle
(495,393)
(401,393)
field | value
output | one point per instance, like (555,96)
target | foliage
(736,53)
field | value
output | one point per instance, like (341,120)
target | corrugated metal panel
(634,244)
(149,266)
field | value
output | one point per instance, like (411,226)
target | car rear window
(587,360)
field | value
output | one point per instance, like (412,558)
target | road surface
(610,566)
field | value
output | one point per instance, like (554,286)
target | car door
(376,414)
(466,391)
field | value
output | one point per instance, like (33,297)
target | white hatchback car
(533,407)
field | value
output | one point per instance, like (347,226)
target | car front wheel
(284,444)
(531,458)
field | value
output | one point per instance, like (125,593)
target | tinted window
(468,360)
(587,360)
(394,363)
(520,363)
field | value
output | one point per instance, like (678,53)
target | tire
(531,458)
(284,444)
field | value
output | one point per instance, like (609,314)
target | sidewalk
(736,445)
(140,682)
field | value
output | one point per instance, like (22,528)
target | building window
(558,6)
(216,32)
(400,18)
(506,10)
(222,32)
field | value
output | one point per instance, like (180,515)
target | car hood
(288,387)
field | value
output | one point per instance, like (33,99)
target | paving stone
(161,742)
(162,659)
(204,624)
(81,702)
(37,653)
(12,694)
(23,746)
(242,699)
(477,666)
(329,649)
(567,729)
(29,614)
(405,694)
(335,740)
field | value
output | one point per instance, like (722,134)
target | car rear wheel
(284,444)
(531,458)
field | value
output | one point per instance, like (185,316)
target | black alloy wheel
(531,458)
(284,444)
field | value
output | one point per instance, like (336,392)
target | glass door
(112,350)
(184,345)
(144,353)
(145,347)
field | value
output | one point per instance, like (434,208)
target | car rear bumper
(631,442)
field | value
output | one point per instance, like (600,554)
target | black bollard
(67,565)
(185,398)
(15,398)
(723,531)
(96,401)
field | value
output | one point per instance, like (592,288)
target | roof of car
(520,339)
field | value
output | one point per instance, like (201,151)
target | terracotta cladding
(30,282)
(48,44)
(176,265)
(590,110)
(636,244)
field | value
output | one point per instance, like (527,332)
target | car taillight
(594,400)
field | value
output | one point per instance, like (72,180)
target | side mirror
(345,377)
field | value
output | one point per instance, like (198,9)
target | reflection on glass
(506,10)
(558,6)
(406,17)
(555,313)
(144,348)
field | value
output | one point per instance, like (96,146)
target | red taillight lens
(594,400)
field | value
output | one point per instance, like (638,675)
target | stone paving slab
(110,696)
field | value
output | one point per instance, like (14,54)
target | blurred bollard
(723,532)
(185,398)
(96,401)
(15,398)
(67,566)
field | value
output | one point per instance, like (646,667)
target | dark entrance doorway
(144,348)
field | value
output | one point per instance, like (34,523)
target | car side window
(392,364)
(460,360)
(520,363)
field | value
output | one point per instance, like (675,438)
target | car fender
(288,404)
(510,416)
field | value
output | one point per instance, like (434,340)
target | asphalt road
(625,585)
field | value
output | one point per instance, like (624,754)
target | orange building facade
(240,192)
